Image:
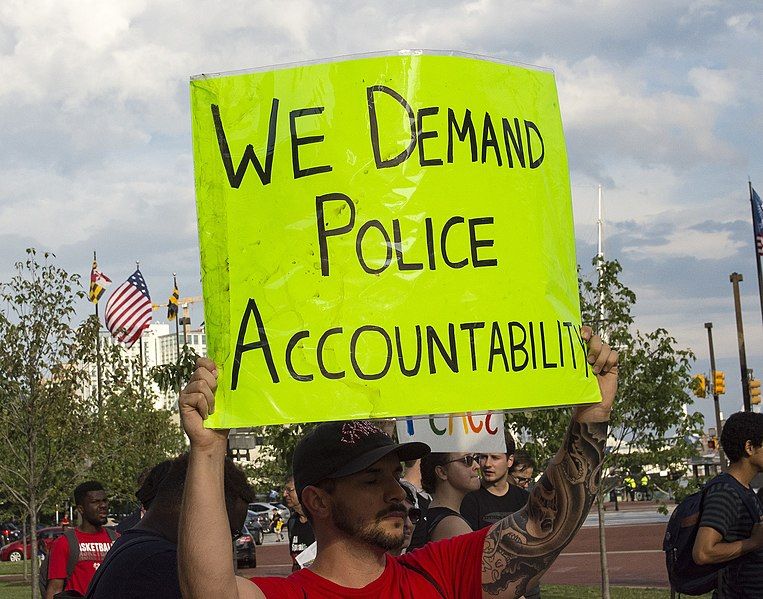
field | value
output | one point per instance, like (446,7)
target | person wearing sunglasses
(448,477)
(412,518)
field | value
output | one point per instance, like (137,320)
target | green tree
(648,425)
(44,419)
(133,433)
(53,430)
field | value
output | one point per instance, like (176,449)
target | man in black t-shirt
(143,561)
(730,528)
(496,498)
(300,531)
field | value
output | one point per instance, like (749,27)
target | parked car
(255,527)
(246,553)
(14,552)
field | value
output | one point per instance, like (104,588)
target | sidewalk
(636,506)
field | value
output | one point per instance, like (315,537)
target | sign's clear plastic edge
(346,57)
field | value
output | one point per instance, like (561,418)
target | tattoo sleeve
(523,545)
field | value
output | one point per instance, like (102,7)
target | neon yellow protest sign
(386,236)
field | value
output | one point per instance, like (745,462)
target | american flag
(128,311)
(757,221)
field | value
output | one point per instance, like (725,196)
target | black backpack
(73,558)
(685,575)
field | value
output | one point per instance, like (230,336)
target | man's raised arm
(521,547)
(205,547)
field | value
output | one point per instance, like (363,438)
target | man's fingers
(199,394)
(586,332)
(207,363)
(601,357)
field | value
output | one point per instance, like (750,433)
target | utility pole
(721,455)
(735,279)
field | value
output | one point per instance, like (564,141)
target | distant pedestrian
(277,525)
(630,487)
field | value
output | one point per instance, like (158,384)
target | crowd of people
(370,517)
(354,514)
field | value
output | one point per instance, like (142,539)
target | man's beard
(372,532)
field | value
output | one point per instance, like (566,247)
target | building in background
(159,347)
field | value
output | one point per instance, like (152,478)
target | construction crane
(185,320)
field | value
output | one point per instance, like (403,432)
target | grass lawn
(14,567)
(14,591)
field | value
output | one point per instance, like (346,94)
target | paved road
(633,538)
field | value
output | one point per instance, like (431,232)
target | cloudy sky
(661,103)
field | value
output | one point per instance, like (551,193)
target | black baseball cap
(337,449)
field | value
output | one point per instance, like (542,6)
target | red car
(14,552)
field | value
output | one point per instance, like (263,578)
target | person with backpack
(714,539)
(143,562)
(730,529)
(77,554)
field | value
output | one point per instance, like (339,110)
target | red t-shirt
(453,564)
(92,549)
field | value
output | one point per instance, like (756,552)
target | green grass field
(13,567)
(16,591)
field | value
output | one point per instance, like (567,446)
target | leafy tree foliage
(649,426)
(53,433)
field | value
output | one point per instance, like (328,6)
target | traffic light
(719,382)
(699,385)
(754,391)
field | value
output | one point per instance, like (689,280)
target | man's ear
(317,501)
(510,461)
(749,448)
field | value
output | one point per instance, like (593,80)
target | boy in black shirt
(496,498)
(729,531)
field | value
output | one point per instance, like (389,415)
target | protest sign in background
(482,433)
(386,236)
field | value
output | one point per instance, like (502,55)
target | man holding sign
(357,510)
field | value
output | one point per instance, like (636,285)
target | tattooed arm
(521,547)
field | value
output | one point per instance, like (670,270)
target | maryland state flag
(172,303)
(98,283)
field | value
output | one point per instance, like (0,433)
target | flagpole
(757,255)
(98,352)
(140,342)
(177,330)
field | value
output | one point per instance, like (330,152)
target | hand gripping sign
(387,235)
